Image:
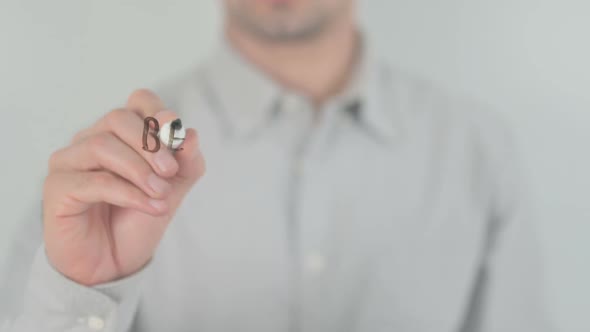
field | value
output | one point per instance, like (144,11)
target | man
(340,195)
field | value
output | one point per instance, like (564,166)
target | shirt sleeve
(509,292)
(52,302)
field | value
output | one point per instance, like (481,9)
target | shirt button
(95,323)
(315,263)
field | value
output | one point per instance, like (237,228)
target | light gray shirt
(396,207)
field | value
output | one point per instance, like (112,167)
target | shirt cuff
(61,304)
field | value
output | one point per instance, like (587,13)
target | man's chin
(282,31)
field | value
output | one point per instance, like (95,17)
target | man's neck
(318,68)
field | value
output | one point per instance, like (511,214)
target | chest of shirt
(353,231)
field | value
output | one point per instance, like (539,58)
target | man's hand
(107,202)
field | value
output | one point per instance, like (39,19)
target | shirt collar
(248,97)
(371,89)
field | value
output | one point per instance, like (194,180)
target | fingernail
(159,205)
(164,160)
(157,184)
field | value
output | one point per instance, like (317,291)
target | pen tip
(176,124)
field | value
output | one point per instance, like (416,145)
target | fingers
(105,151)
(75,192)
(119,116)
(115,144)
(128,127)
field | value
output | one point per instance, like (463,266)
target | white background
(65,62)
